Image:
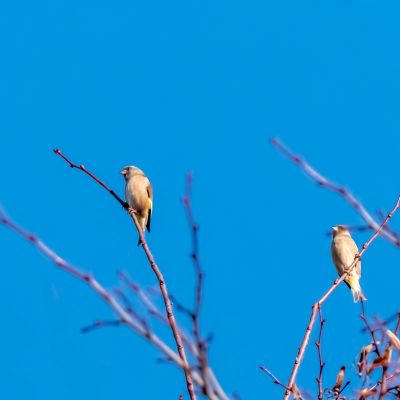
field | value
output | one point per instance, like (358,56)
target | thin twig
(343,388)
(274,378)
(153,310)
(386,321)
(156,270)
(396,329)
(123,315)
(341,190)
(131,310)
(383,390)
(101,324)
(195,315)
(320,360)
(377,384)
(369,329)
(304,343)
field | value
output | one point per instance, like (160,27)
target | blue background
(187,86)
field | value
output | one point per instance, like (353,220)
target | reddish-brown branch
(153,310)
(186,200)
(369,328)
(389,378)
(381,215)
(385,322)
(317,305)
(274,378)
(86,171)
(124,316)
(396,329)
(195,315)
(383,390)
(388,234)
(131,310)
(318,344)
(156,270)
(101,324)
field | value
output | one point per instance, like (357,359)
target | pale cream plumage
(139,194)
(343,250)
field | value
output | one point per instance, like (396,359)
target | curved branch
(124,317)
(156,270)
(388,234)
(318,304)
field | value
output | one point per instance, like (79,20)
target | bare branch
(156,270)
(274,378)
(124,316)
(317,305)
(386,321)
(101,324)
(388,234)
(369,329)
(320,360)
(195,315)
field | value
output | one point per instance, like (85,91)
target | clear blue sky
(191,86)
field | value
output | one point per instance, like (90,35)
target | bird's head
(130,171)
(340,230)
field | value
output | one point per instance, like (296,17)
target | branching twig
(318,304)
(386,321)
(369,329)
(396,329)
(125,317)
(343,388)
(101,324)
(342,191)
(153,310)
(156,270)
(131,311)
(195,315)
(274,378)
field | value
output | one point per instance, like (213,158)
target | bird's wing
(346,249)
(149,204)
(354,251)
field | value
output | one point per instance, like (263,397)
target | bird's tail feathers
(356,290)
(142,223)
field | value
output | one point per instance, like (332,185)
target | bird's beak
(123,172)
(334,228)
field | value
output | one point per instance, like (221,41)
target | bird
(139,195)
(343,251)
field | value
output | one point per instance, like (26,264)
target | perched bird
(343,250)
(139,195)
